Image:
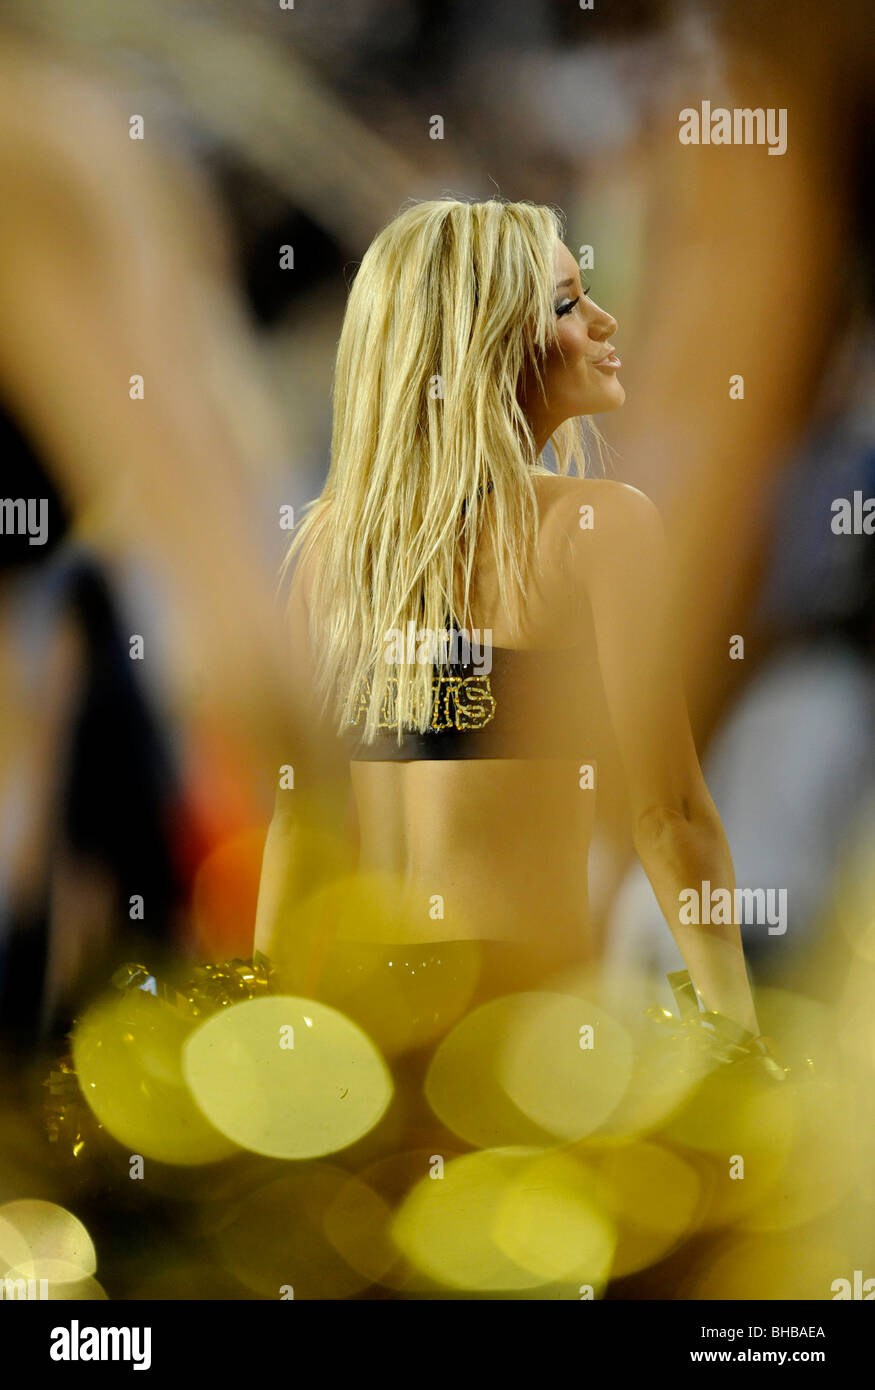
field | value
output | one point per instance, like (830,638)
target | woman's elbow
(658,829)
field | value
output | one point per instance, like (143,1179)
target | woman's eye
(566,306)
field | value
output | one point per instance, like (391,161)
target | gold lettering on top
(458,702)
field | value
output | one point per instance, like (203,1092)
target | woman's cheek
(573,344)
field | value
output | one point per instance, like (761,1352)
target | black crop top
(528,705)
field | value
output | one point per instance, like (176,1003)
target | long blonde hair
(453,301)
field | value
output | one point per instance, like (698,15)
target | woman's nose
(603,324)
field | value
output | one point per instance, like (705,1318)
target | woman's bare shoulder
(600,509)
(558,490)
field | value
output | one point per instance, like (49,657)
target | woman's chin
(611,399)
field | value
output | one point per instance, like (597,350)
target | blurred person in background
(734,251)
(87,786)
(93,806)
(113,270)
(172,415)
(792,763)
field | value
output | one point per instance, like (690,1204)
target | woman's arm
(621,567)
(282,880)
(312,836)
(310,841)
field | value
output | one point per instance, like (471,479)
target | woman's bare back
(494,848)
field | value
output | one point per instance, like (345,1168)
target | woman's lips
(609,363)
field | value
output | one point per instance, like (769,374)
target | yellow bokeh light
(14,1247)
(127,1053)
(666,1071)
(515,1071)
(565,1063)
(80,1291)
(550,1220)
(51,1242)
(404,997)
(757,1267)
(363,907)
(666,1066)
(357,1222)
(736,1110)
(445,1225)
(823,1163)
(286,1077)
(505,1221)
(392,1177)
(280,1240)
(653,1196)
